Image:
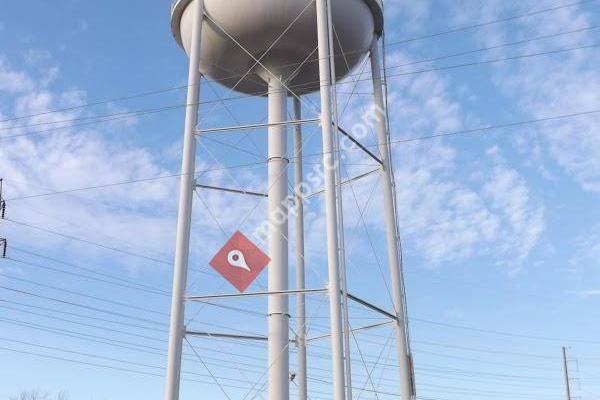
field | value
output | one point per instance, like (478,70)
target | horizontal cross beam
(255,294)
(256,126)
(226,335)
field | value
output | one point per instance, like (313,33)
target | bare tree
(38,395)
(62,396)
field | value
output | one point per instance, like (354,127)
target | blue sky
(501,228)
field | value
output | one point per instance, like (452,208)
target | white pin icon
(236,259)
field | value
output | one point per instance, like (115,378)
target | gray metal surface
(257,24)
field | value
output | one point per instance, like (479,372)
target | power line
(86,325)
(403,41)
(132,181)
(74,304)
(503,377)
(494,47)
(90,270)
(213,364)
(179,106)
(398,141)
(482,380)
(483,350)
(93,278)
(492,22)
(472,64)
(119,116)
(89,242)
(460,358)
(240,310)
(154,322)
(503,333)
(77,315)
(434,368)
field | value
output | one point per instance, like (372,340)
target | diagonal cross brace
(359,144)
(230,190)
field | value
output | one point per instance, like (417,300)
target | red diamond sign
(240,261)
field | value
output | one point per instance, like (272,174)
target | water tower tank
(257,24)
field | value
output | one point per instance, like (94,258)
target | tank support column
(279,317)
(393,237)
(331,211)
(186,192)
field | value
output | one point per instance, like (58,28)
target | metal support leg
(186,191)
(301,375)
(337,348)
(340,212)
(393,237)
(279,363)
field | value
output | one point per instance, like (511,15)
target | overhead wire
(93,271)
(481,129)
(390,44)
(119,116)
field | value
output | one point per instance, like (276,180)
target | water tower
(286,49)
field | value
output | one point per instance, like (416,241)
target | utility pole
(3,243)
(566,370)
(2,201)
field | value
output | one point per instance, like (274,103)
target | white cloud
(545,86)
(130,216)
(12,81)
(586,256)
(585,293)
(413,14)
(453,205)
(449,219)
(447,214)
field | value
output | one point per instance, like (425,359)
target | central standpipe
(330,165)
(279,317)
